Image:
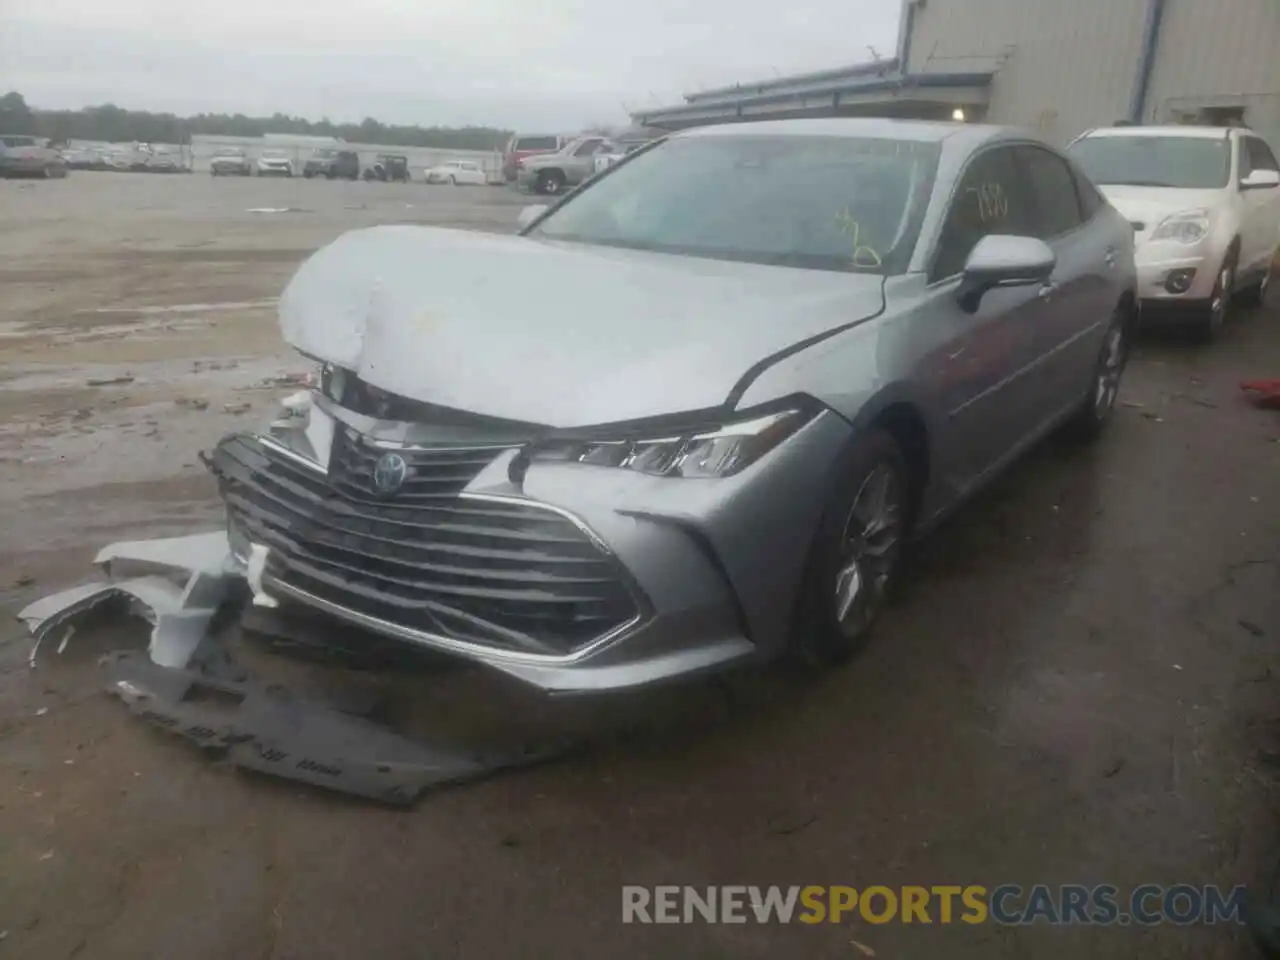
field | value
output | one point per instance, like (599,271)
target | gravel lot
(1078,685)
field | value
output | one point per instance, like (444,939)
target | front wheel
(856,554)
(1213,315)
(1104,385)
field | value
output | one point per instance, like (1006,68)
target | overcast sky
(524,64)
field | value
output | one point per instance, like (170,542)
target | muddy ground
(1078,685)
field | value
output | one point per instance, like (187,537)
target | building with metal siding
(1049,65)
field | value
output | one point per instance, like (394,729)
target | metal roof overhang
(896,94)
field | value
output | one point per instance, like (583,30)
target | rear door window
(1053,189)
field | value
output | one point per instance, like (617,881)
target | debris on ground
(108,381)
(26,580)
(192,403)
(188,683)
(1252,628)
(286,380)
(237,408)
(1198,401)
(1148,415)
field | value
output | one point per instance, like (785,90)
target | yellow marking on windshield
(864,257)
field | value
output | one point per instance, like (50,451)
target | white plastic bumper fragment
(175,584)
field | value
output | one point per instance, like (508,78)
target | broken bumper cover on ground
(177,585)
(579,579)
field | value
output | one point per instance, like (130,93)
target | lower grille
(511,576)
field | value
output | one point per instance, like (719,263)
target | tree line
(118,125)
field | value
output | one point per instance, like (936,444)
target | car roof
(1176,130)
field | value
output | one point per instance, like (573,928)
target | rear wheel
(550,182)
(856,553)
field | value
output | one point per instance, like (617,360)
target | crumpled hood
(558,334)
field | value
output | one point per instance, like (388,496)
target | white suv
(1205,207)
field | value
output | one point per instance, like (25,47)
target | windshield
(325,153)
(274,155)
(826,203)
(229,152)
(1189,163)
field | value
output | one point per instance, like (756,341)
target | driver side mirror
(1001,260)
(1261,180)
(530,214)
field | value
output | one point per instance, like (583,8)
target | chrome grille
(433,472)
(513,576)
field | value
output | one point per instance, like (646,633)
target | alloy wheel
(869,548)
(1109,372)
(1221,297)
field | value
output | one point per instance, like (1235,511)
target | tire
(1255,295)
(1214,314)
(550,182)
(849,574)
(1095,411)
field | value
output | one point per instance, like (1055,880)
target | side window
(1244,163)
(587,148)
(1260,155)
(989,198)
(1091,201)
(1057,207)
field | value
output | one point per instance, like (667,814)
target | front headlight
(712,451)
(1190,226)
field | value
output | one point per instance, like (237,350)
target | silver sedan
(820,338)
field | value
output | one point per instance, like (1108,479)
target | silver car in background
(822,336)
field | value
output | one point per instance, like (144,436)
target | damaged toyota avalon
(770,353)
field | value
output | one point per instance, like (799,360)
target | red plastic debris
(1263,393)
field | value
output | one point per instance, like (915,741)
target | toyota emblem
(389,473)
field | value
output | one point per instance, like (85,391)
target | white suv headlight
(1189,226)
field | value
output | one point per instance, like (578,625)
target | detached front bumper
(580,580)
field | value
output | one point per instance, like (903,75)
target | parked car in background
(274,163)
(1204,203)
(24,156)
(230,162)
(118,159)
(457,173)
(523,146)
(84,158)
(160,160)
(333,164)
(389,168)
(554,173)
(604,160)
(821,337)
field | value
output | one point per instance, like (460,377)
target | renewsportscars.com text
(1009,904)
